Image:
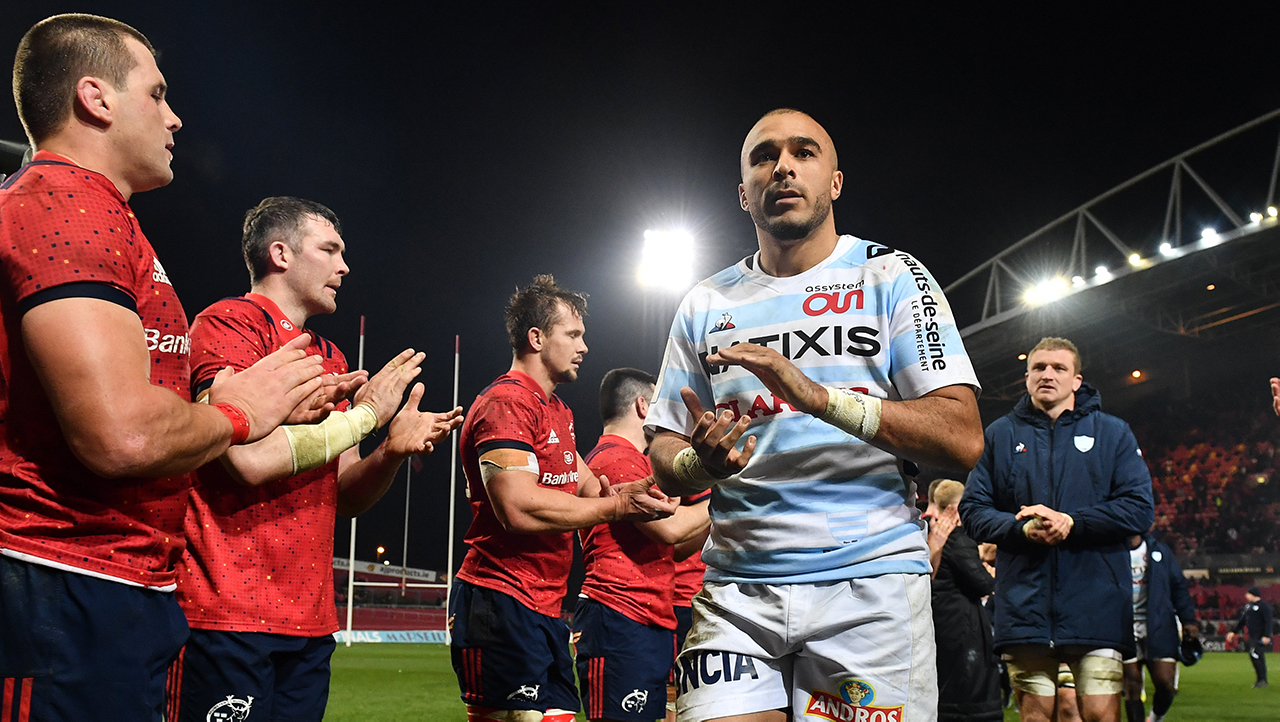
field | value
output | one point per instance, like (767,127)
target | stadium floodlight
(1135,259)
(667,260)
(1256,217)
(1271,211)
(1022,357)
(1166,249)
(1136,374)
(1077,281)
(1046,291)
(1209,233)
(1102,273)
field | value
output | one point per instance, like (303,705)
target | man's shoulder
(238,308)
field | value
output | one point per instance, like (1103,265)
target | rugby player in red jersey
(624,626)
(97,429)
(256,581)
(529,491)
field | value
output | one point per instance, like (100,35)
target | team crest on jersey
(230,710)
(284,323)
(568,458)
(635,701)
(853,704)
(553,439)
(1084,443)
(724,324)
(528,692)
(157,274)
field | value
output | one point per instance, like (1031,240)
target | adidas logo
(553,439)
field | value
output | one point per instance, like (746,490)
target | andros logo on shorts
(853,704)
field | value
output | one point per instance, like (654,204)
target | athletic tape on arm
(852,412)
(490,468)
(314,445)
(688,468)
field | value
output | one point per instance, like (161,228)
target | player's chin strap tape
(852,412)
(314,445)
(689,470)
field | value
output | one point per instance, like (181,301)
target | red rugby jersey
(625,570)
(258,559)
(532,568)
(67,232)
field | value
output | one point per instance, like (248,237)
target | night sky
(466,150)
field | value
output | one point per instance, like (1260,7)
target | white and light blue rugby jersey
(814,503)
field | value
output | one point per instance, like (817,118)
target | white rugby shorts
(860,650)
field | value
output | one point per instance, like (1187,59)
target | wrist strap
(239,422)
(688,469)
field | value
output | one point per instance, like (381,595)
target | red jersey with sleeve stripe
(514,413)
(258,559)
(66,232)
(689,572)
(625,570)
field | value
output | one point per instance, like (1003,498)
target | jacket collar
(1088,400)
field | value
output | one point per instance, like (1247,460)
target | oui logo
(834,301)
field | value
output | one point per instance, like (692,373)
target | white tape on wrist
(314,445)
(852,412)
(690,472)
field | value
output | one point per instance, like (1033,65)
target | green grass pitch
(393,682)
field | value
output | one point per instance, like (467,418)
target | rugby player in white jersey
(841,359)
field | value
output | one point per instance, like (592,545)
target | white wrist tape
(852,412)
(690,472)
(314,445)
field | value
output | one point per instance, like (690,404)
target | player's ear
(742,197)
(535,338)
(93,104)
(837,184)
(278,255)
(642,407)
(1075,383)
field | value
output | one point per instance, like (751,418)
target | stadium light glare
(1022,357)
(1166,249)
(1209,233)
(1102,273)
(667,260)
(1271,211)
(1135,259)
(386,562)
(1136,374)
(1077,281)
(1210,287)
(1256,217)
(1046,291)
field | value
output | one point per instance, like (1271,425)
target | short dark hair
(619,390)
(278,218)
(537,306)
(52,57)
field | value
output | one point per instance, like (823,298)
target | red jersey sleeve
(63,234)
(506,421)
(227,334)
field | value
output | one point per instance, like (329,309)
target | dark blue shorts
(508,656)
(684,621)
(269,676)
(622,664)
(74,647)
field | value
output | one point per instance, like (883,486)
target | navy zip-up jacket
(1088,465)
(1169,604)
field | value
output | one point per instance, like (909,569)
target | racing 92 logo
(820,303)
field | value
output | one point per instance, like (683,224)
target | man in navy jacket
(1060,488)
(1255,617)
(1161,604)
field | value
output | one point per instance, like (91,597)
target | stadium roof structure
(1134,287)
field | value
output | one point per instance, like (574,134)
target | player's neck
(531,366)
(88,155)
(631,429)
(1053,412)
(791,258)
(275,289)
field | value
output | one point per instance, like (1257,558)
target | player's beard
(784,230)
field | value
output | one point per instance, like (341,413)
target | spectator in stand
(968,672)
(1255,619)
(1160,605)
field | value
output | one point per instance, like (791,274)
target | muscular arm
(687,523)
(692,545)
(92,360)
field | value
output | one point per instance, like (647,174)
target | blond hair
(945,493)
